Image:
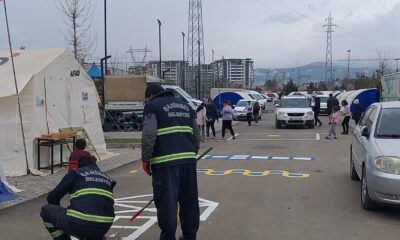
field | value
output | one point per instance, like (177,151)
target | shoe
(233,137)
(343,133)
(327,137)
(214,137)
(335,137)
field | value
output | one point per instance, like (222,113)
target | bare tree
(78,18)
(383,62)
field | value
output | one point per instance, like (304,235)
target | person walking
(317,109)
(333,121)
(201,119)
(91,211)
(212,116)
(256,112)
(249,112)
(227,118)
(170,144)
(331,102)
(347,115)
(356,111)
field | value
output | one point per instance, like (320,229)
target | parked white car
(375,155)
(294,110)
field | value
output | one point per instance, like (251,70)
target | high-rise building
(238,73)
(171,71)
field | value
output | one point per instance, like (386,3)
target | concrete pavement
(293,184)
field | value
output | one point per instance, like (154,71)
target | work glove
(146,167)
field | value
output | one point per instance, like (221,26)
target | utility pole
(397,64)
(105,36)
(348,64)
(199,74)
(183,63)
(329,51)
(159,47)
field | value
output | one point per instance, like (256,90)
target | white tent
(55,92)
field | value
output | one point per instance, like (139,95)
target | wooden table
(52,140)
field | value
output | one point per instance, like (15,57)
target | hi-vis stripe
(89,217)
(91,191)
(172,157)
(176,129)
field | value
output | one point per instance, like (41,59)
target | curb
(53,180)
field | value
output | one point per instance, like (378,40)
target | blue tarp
(94,71)
(231,97)
(5,193)
(366,98)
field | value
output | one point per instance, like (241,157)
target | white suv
(294,110)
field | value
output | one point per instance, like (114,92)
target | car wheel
(353,173)
(278,124)
(366,201)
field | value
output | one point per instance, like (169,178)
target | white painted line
(280,158)
(273,135)
(260,157)
(303,159)
(239,157)
(142,229)
(211,206)
(279,133)
(232,137)
(317,136)
(313,140)
(220,156)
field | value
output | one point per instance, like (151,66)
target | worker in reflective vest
(170,143)
(91,211)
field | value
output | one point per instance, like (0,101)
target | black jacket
(176,141)
(90,193)
(317,104)
(357,112)
(212,113)
(332,102)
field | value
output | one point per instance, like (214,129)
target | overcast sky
(275,33)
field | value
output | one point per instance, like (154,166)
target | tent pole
(28,171)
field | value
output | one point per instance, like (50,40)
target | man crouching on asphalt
(91,211)
(170,143)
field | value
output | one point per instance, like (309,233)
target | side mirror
(277,105)
(365,132)
(233,106)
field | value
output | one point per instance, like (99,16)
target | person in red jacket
(77,154)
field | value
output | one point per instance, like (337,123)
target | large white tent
(55,92)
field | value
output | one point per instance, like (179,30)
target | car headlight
(283,114)
(310,113)
(388,164)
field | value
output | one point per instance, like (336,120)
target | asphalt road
(308,197)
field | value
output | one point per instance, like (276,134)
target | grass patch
(123,141)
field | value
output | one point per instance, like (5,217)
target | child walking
(333,120)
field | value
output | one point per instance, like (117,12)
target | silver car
(375,155)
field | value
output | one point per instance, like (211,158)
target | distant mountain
(313,72)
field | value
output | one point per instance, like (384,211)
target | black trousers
(227,124)
(345,124)
(60,228)
(249,118)
(173,185)
(210,124)
(316,118)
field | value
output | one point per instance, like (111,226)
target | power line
(283,3)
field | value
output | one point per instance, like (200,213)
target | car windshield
(388,126)
(324,99)
(242,104)
(294,103)
(183,93)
